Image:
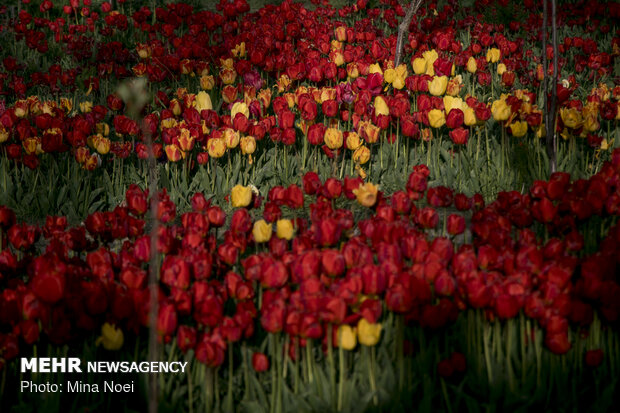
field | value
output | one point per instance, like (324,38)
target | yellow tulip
(111,337)
(419,65)
(239,107)
(341,33)
(239,50)
(366,194)
(374,68)
(430,56)
(261,231)
(396,77)
(372,132)
(352,70)
(361,155)
(86,107)
(454,86)
(437,86)
(381,108)
(571,118)
(240,196)
(248,145)
(493,55)
(353,141)
(333,138)
(228,76)
(500,110)
(203,101)
(102,145)
(367,333)
(4,134)
(472,66)
(347,337)
(470,116)
(450,102)
(436,118)
(591,124)
(337,57)
(284,229)
(501,69)
(518,128)
(231,137)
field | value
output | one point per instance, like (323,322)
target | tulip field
(311,206)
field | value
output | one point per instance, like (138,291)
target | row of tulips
(299,268)
(292,76)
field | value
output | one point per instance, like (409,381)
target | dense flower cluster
(307,274)
(287,74)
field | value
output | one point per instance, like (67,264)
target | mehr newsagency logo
(76,365)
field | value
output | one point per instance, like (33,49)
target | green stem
(229,398)
(246,371)
(297,355)
(190,390)
(371,374)
(209,388)
(309,360)
(342,378)
(487,355)
(444,390)
(274,374)
(330,358)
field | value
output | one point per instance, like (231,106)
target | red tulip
(594,358)
(260,362)
(186,338)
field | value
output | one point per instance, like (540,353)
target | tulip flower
(438,85)
(203,101)
(518,128)
(284,229)
(239,107)
(240,196)
(333,138)
(381,108)
(248,145)
(111,337)
(436,118)
(396,77)
(493,55)
(260,362)
(262,231)
(419,65)
(361,155)
(368,334)
(366,194)
(353,141)
(347,337)
(216,147)
(472,67)
(500,110)
(571,117)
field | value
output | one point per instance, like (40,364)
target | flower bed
(329,232)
